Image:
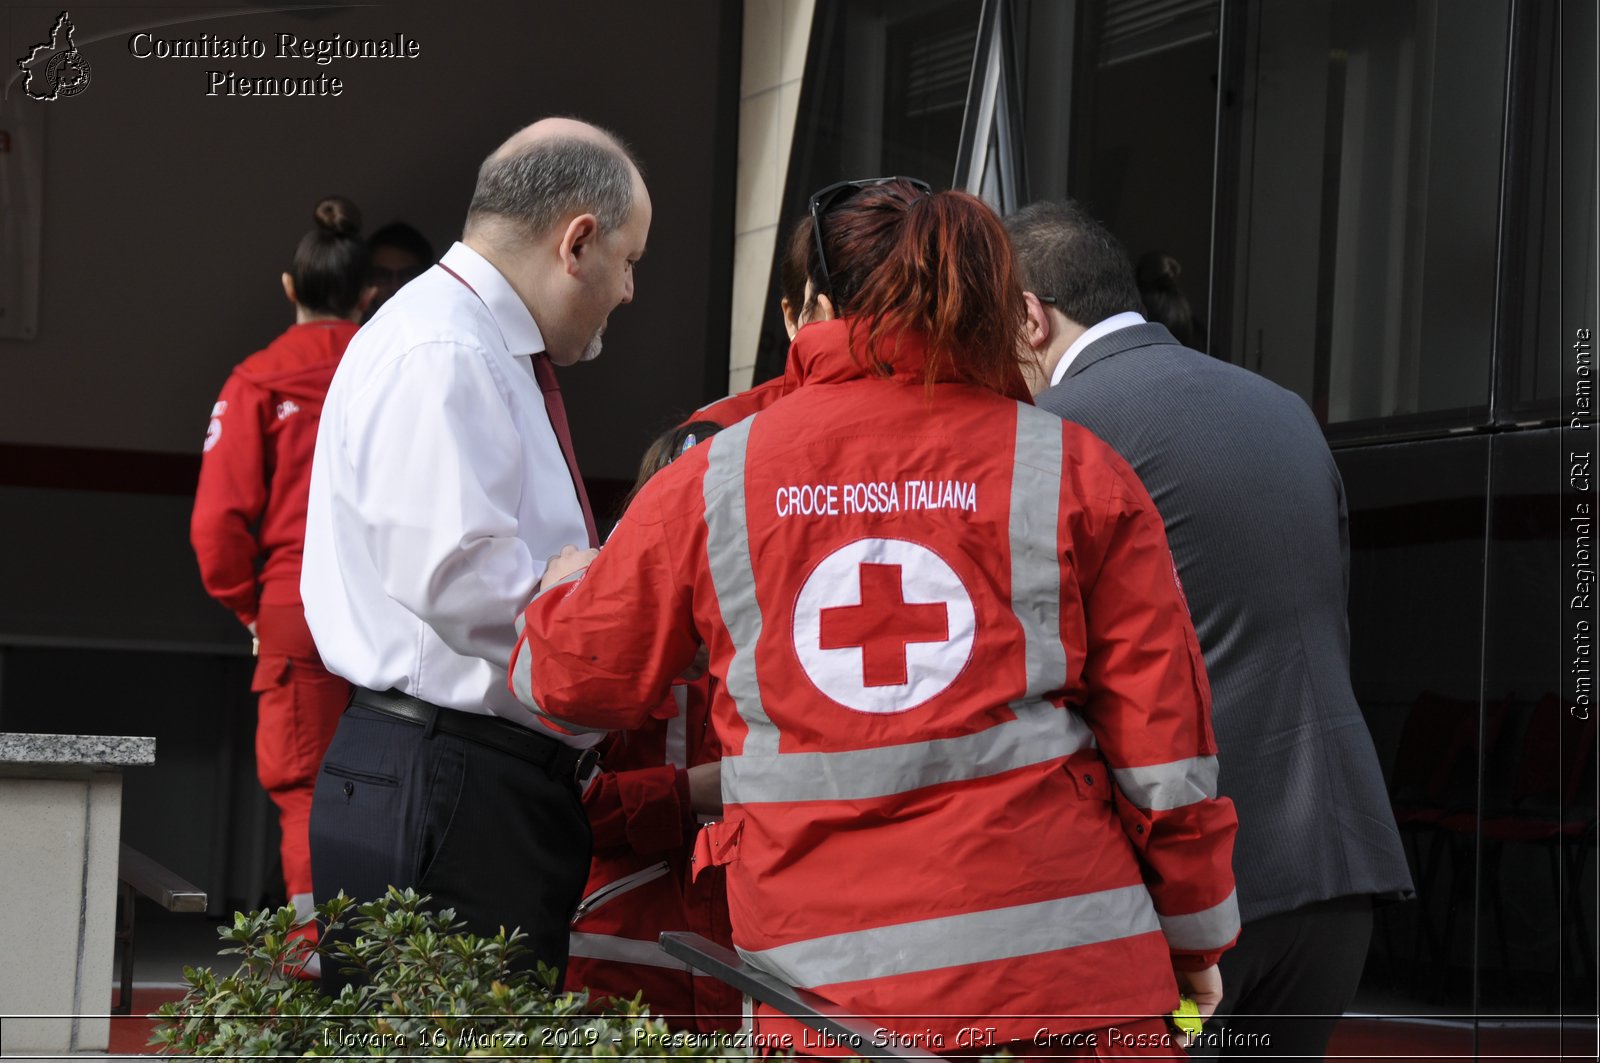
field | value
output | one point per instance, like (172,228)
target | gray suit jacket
(1255,514)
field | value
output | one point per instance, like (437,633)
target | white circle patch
(883,625)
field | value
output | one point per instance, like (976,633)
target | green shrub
(429,990)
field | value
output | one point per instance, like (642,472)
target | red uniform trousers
(298,707)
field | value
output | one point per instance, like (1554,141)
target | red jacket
(735,408)
(969,776)
(639,887)
(250,503)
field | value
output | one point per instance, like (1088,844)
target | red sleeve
(230,497)
(1149,706)
(644,809)
(634,601)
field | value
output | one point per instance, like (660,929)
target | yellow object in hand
(1187,1017)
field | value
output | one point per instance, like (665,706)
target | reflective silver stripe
(622,950)
(616,888)
(733,578)
(522,677)
(522,687)
(571,577)
(1035,548)
(1158,787)
(677,743)
(1040,734)
(1203,931)
(950,941)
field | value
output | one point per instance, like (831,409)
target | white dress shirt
(437,492)
(1102,328)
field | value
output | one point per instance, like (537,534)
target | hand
(1204,987)
(697,667)
(564,564)
(705,789)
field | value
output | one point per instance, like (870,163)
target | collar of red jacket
(821,354)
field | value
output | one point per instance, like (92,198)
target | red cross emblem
(883,625)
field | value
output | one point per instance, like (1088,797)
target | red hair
(937,264)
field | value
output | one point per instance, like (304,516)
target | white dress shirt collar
(1104,328)
(510,313)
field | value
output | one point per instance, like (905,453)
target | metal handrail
(840,1028)
(139,874)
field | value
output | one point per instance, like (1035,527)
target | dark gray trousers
(500,840)
(1287,982)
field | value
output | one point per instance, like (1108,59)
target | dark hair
(1157,274)
(664,450)
(402,237)
(1063,252)
(330,265)
(556,178)
(901,258)
(792,267)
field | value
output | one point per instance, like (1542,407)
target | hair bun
(1158,270)
(338,215)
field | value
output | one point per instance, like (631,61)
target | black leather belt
(561,761)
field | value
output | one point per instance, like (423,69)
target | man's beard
(592,351)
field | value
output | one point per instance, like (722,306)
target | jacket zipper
(612,890)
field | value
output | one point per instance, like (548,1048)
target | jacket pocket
(360,776)
(616,888)
(272,671)
(717,845)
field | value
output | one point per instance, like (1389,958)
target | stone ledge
(92,751)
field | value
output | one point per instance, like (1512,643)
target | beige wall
(776,33)
(58,884)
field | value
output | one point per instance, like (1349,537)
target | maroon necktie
(545,373)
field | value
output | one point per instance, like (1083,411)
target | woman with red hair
(968,781)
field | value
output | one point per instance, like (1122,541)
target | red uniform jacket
(731,410)
(735,408)
(639,886)
(969,777)
(250,503)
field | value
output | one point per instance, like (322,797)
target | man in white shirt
(443,479)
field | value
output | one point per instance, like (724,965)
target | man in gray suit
(1255,514)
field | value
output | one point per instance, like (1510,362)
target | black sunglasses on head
(832,196)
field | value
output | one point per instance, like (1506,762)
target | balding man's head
(550,172)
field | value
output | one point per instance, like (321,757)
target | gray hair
(554,179)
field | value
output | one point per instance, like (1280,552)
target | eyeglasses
(834,194)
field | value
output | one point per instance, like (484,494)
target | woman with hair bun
(250,510)
(968,774)
(1157,276)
